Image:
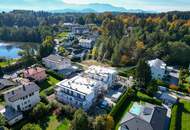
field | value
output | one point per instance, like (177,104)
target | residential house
(105,74)
(23,97)
(56,62)
(158,68)
(167,97)
(83,89)
(5,83)
(67,43)
(11,115)
(35,73)
(144,117)
(22,81)
(79,30)
(86,43)
(69,26)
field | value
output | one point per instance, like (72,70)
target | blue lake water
(10,50)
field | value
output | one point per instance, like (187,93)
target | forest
(124,37)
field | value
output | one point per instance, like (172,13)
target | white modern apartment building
(23,97)
(86,43)
(78,91)
(81,91)
(56,62)
(158,68)
(107,75)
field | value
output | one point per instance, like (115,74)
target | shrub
(173,87)
(68,111)
(30,126)
(39,111)
(44,99)
(121,104)
(54,74)
(49,91)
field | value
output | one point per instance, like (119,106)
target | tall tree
(80,121)
(116,56)
(2,120)
(104,122)
(143,73)
(1,72)
(46,48)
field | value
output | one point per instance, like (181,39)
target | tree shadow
(44,122)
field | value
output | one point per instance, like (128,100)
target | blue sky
(156,5)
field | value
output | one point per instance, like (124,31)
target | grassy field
(64,126)
(94,62)
(53,123)
(8,62)
(185,123)
(49,82)
(180,119)
(127,71)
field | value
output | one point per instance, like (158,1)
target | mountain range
(96,7)
(63,7)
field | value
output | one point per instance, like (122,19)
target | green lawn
(53,123)
(8,62)
(46,84)
(64,126)
(180,119)
(185,123)
(127,71)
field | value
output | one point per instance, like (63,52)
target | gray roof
(21,91)
(6,83)
(55,58)
(151,117)
(158,118)
(11,113)
(136,124)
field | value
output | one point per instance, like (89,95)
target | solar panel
(147,111)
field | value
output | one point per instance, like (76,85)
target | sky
(153,5)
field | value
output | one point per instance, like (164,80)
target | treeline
(28,18)
(125,39)
(25,34)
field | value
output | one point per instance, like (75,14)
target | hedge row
(148,99)
(122,104)
(49,91)
(55,75)
(174,117)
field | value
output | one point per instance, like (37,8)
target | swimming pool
(136,109)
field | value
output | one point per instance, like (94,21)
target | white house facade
(12,116)
(79,91)
(82,90)
(105,74)
(56,62)
(158,68)
(23,97)
(86,43)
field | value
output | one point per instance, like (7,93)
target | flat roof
(79,84)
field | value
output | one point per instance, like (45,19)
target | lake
(11,49)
